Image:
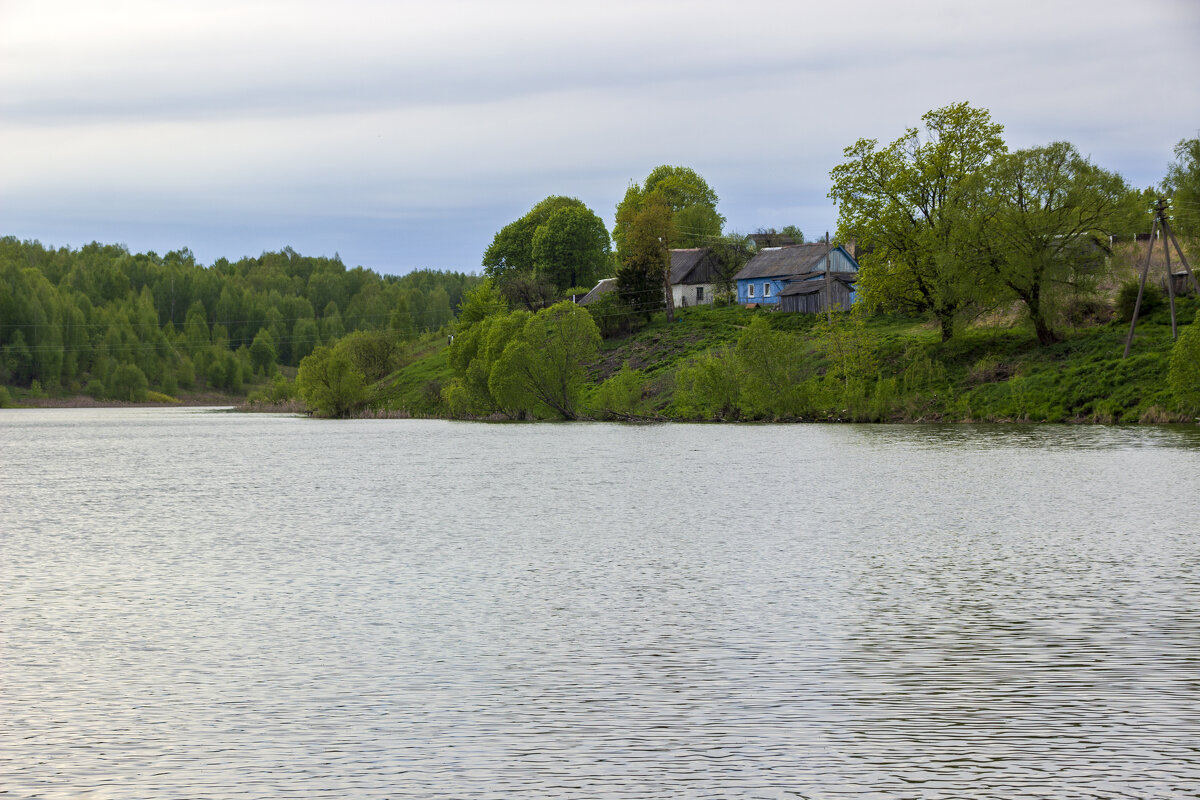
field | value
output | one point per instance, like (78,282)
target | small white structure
(693,275)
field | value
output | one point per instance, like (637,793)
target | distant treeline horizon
(104,321)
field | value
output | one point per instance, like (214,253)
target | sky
(403,135)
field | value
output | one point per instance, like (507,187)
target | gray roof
(810,287)
(776,262)
(812,281)
(691,265)
(605,286)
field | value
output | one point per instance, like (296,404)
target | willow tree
(543,369)
(1037,222)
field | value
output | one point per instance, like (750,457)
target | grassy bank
(994,372)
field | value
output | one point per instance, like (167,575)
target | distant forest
(106,322)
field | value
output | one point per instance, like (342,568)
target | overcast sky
(405,134)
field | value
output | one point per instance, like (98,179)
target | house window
(699,295)
(766,290)
(749,290)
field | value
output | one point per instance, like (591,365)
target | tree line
(116,324)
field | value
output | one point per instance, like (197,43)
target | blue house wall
(760,295)
(839,261)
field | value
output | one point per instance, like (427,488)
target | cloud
(198,116)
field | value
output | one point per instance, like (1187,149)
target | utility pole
(1168,239)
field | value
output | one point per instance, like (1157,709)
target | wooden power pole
(1168,239)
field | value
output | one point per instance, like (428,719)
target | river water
(213,605)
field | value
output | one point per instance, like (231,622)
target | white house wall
(682,291)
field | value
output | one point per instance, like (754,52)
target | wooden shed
(815,295)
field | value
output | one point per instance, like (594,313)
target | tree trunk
(947,321)
(1046,335)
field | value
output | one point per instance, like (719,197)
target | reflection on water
(211,605)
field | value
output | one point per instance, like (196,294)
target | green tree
(481,302)
(196,334)
(852,356)
(571,247)
(643,278)
(17,364)
(332,327)
(692,204)
(473,357)
(511,250)
(543,369)
(1183,184)
(262,352)
(1183,374)
(128,383)
(772,367)
(529,291)
(620,396)
(329,384)
(710,386)
(305,338)
(373,353)
(900,203)
(1038,221)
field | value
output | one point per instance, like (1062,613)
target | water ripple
(215,606)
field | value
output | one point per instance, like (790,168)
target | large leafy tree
(1038,222)
(1183,184)
(511,250)
(329,384)
(643,274)
(692,204)
(571,248)
(543,368)
(900,200)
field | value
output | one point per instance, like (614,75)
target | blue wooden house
(767,277)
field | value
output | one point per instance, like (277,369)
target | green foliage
(69,318)
(262,352)
(511,250)
(709,387)
(329,384)
(373,353)
(848,347)
(619,397)
(773,372)
(644,258)
(1183,185)
(541,371)
(1038,222)
(1153,299)
(571,247)
(482,301)
(473,357)
(6,400)
(1183,375)
(691,204)
(127,383)
(612,316)
(279,391)
(899,202)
